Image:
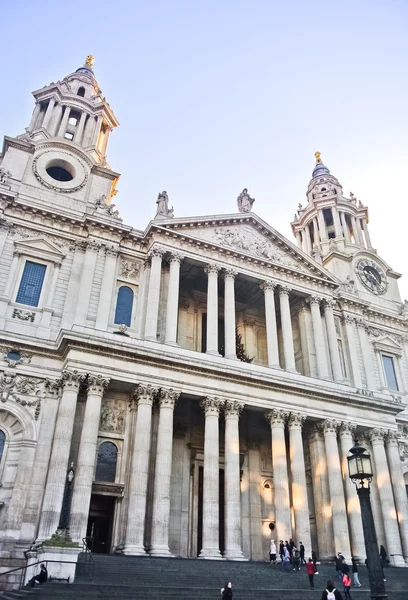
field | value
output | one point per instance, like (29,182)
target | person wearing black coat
(227,591)
(330,588)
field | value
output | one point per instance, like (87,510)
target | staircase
(140,578)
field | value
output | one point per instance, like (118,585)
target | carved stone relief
(113,415)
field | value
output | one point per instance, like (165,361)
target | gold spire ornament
(89,61)
(318,159)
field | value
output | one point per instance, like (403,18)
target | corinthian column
(366,353)
(352,502)
(340,526)
(211,521)
(233,550)
(392,535)
(298,475)
(321,357)
(143,397)
(229,314)
(153,297)
(352,347)
(277,419)
(173,299)
(270,317)
(287,337)
(162,475)
(398,486)
(212,309)
(81,497)
(57,469)
(332,337)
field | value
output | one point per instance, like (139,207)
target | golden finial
(89,61)
(318,159)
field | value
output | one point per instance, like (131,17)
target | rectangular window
(31,284)
(389,370)
(72,121)
(68,135)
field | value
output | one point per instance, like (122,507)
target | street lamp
(66,502)
(361,474)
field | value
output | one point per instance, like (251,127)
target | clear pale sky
(214,96)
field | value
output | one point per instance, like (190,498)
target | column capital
(329,303)
(97,384)
(330,426)
(211,405)
(316,434)
(376,435)
(168,397)
(93,245)
(212,268)
(233,408)
(230,273)
(111,251)
(360,323)
(347,428)
(176,257)
(391,438)
(296,420)
(72,380)
(284,290)
(156,251)
(268,284)
(348,319)
(277,417)
(53,387)
(144,394)
(314,299)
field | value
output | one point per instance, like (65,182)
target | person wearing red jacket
(310,568)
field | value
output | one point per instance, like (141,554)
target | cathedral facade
(192,389)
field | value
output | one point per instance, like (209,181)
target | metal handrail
(40,562)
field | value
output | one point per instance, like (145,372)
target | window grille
(31,284)
(124,306)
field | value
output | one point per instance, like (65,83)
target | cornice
(18,144)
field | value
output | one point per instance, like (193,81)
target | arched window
(124,305)
(2,442)
(106,463)
(81,92)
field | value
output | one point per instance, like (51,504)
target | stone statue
(348,284)
(404,308)
(4,176)
(89,61)
(163,210)
(245,201)
(316,254)
(108,208)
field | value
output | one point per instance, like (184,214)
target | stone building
(123,360)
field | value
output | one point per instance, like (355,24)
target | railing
(40,562)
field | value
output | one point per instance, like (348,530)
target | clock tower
(333,229)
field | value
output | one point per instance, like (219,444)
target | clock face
(372,276)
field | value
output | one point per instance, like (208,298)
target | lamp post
(66,501)
(361,474)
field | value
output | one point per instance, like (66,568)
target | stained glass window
(124,306)
(31,284)
(106,463)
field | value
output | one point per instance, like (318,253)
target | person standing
(281,547)
(286,559)
(227,591)
(383,556)
(339,561)
(302,554)
(272,552)
(314,559)
(310,568)
(354,569)
(346,586)
(330,593)
(296,559)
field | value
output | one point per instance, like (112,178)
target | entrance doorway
(221,535)
(100,522)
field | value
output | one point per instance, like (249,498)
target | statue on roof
(163,210)
(245,201)
(89,61)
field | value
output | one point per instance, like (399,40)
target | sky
(214,96)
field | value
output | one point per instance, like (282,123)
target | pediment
(387,344)
(251,237)
(39,247)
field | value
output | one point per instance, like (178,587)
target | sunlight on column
(321,468)
(392,514)
(299,500)
(353,505)
(233,446)
(382,479)
(327,511)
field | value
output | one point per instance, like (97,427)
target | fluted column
(332,337)
(352,501)
(287,336)
(64,121)
(143,397)
(86,282)
(340,526)
(229,314)
(233,549)
(321,495)
(298,477)
(108,283)
(48,113)
(212,309)
(153,296)
(398,486)
(211,521)
(173,299)
(321,357)
(352,348)
(162,475)
(277,419)
(366,353)
(367,235)
(34,117)
(268,288)
(322,225)
(344,227)
(392,535)
(81,497)
(80,128)
(57,468)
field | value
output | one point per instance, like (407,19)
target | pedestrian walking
(296,559)
(302,554)
(344,567)
(354,569)
(383,556)
(272,552)
(330,593)
(314,559)
(227,591)
(286,560)
(310,568)
(338,564)
(281,547)
(346,586)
